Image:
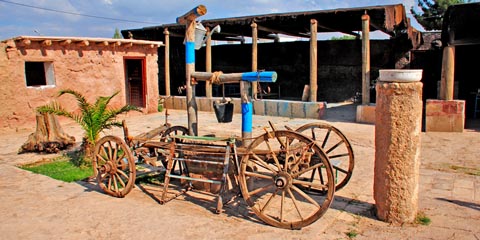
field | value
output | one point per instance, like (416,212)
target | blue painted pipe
(190,52)
(259,76)
(247,114)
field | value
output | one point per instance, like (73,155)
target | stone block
(365,114)
(168,102)
(179,103)
(259,107)
(445,115)
(271,107)
(298,109)
(316,110)
(205,104)
(284,108)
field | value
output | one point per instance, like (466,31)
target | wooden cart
(287,177)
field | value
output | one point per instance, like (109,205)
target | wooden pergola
(389,19)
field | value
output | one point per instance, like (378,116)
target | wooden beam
(313,60)
(365,59)
(189,19)
(208,63)
(254,56)
(23,43)
(167,61)
(335,30)
(273,30)
(66,42)
(47,43)
(83,43)
(103,44)
(191,15)
(448,74)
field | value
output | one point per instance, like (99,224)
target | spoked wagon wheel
(114,166)
(277,179)
(166,136)
(173,131)
(336,146)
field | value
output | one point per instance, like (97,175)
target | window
(39,74)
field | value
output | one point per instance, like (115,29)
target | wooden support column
(365,59)
(189,19)
(208,63)
(254,56)
(313,60)
(448,73)
(167,61)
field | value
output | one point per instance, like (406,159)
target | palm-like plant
(93,118)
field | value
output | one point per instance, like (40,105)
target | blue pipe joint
(247,113)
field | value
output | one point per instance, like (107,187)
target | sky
(100,18)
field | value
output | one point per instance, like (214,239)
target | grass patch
(62,168)
(352,234)
(422,219)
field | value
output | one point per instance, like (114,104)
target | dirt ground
(37,207)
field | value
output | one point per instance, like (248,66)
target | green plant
(61,168)
(160,105)
(352,233)
(344,37)
(93,118)
(422,219)
(432,12)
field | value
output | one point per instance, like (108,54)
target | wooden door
(135,82)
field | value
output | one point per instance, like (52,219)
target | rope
(215,79)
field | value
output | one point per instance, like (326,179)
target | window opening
(39,74)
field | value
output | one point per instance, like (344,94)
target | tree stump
(48,137)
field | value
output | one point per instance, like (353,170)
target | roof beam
(335,30)
(267,29)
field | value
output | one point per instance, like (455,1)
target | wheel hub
(109,167)
(282,180)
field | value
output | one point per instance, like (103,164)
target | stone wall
(93,70)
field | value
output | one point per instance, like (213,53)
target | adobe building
(35,69)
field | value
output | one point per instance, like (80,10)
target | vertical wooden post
(167,61)
(448,73)
(189,19)
(254,55)
(313,60)
(208,63)
(365,59)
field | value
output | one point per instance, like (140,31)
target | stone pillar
(397,145)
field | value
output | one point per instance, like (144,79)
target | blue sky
(29,17)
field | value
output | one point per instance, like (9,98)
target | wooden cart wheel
(278,180)
(336,146)
(165,136)
(174,130)
(114,166)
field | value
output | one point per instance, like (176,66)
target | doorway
(135,82)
